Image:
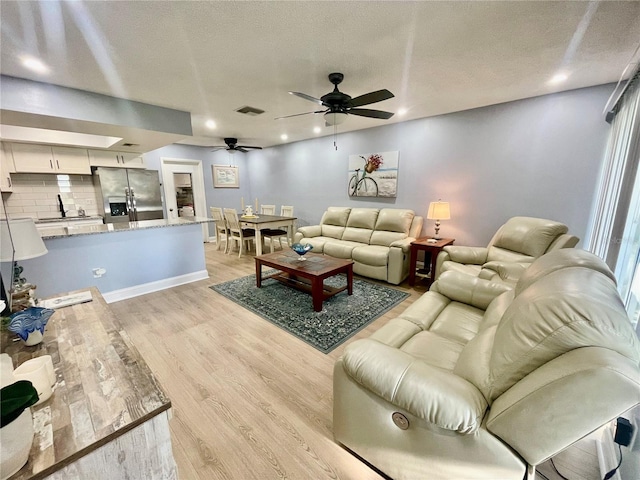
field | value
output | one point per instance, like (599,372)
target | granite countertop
(67,219)
(120,227)
(104,387)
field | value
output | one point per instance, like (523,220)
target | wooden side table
(431,250)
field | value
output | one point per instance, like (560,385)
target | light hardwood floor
(251,401)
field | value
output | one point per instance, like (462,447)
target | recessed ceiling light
(317,130)
(284,136)
(559,78)
(402,111)
(210,124)
(34,64)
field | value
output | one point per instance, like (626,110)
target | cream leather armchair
(511,250)
(478,380)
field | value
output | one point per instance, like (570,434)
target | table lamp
(19,240)
(438,211)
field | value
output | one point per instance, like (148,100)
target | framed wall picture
(373,175)
(225,176)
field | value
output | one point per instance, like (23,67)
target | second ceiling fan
(233,147)
(339,105)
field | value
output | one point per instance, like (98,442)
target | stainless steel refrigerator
(129,195)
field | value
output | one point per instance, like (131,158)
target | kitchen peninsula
(122,260)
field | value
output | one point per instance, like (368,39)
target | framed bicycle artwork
(373,175)
(225,176)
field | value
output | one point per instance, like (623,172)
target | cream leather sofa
(514,246)
(377,240)
(472,383)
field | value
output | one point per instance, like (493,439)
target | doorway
(183,182)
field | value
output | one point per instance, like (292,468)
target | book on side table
(66,300)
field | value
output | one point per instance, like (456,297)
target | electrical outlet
(98,272)
(624,432)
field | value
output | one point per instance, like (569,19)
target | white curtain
(615,233)
(617,177)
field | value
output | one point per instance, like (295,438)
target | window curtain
(617,177)
(615,232)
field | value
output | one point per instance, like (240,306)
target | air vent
(130,144)
(254,112)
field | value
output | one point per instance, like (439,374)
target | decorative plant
(372,162)
(14,399)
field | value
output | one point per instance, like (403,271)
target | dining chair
(221,227)
(236,232)
(268,209)
(277,233)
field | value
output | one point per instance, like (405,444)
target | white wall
(536,157)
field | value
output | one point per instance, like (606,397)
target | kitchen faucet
(62,210)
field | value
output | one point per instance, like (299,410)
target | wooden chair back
(268,209)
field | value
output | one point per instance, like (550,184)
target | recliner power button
(400,420)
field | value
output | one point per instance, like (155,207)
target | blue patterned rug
(342,315)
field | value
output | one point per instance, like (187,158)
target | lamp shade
(334,118)
(439,211)
(21,235)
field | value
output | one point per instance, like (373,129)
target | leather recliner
(469,382)
(514,246)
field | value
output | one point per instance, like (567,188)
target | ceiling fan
(339,104)
(233,147)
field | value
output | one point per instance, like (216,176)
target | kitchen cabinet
(109,158)
(6,169)
(31,158)
(182,180)
(50,227)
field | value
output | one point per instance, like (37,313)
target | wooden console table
(108,417)
(431,250)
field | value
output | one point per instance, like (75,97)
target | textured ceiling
(211,58)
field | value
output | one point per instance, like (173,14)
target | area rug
(342,315)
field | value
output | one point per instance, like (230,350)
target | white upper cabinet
(31,158)
(6,169)
(108,158)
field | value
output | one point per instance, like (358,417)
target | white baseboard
(143,289)
(607,453)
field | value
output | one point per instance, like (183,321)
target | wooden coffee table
(308,275)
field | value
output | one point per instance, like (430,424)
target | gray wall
(131,258)
(536,157)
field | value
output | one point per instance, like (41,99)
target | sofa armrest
(467,289)
(310,231)
(584,388)
(507,271)
(437,396)
(467,255)
(404,244)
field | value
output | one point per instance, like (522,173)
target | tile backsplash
(36,195)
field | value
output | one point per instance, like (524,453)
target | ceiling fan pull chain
(335,136)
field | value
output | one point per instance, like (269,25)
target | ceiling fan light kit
(334,118)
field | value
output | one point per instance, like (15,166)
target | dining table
(259,222)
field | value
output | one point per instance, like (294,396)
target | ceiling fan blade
(299,114)
(241,149)
(247,146)
(371,97)
(365,112)
(307,97)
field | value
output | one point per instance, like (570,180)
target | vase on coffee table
(301,249)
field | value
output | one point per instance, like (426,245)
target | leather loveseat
(472,383)
(513,247)
(377,240)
